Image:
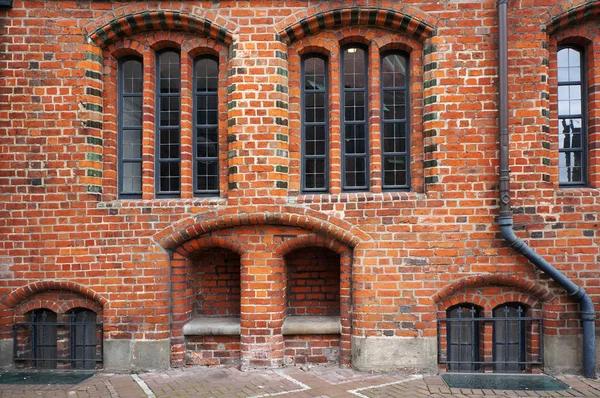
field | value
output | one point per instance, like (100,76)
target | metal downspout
(505,220)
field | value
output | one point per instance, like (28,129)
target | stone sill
(292,325)
(330,324)
(212,326)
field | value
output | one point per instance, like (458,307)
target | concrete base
(6,354)
(415,355)
(563,354)
(136,355)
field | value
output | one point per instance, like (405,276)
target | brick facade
(388,263)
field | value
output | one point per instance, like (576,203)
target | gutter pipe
(505,220)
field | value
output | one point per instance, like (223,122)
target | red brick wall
(313,282)
(212,350)
(61,220)
(217,283)
(311,349)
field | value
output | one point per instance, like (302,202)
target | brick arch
(311,220)
(536,290)
(311,240)
(299,25)
(206,242)
(557,18)
(38,305)
(148,20)
(19,295)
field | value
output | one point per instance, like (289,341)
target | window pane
(132,144)
(169,72)
(570,166)
(207,143)
(132,77)
(355,171)
(394,70)
(169,111)
(169,144)
(132,112)
(354,68)
(314,74)
(395,171)
(207,175)
(132,177)
(394,105)
(207,75)
(169,177)
(569,133)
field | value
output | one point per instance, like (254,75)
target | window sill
(566,191)
(163,202)
(212,326)
(355,197)
(330,324)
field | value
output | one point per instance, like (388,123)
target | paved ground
(316,382)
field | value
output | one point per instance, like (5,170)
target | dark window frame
(304,124)
(406,122)
(521,342)
(157,159)
(583,116)
(120,128)
(475,337)
(343,91)
(195,94)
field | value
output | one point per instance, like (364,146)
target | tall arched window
(168,124)
(355,131)
(130,128)
(206,133)
(394,102)
(572,135)
(315,128)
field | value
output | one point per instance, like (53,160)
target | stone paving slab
(292,382)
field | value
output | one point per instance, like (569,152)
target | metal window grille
(463,339)
(45,343)
(511,330)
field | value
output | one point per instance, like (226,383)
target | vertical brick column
(262,309)
(258,117)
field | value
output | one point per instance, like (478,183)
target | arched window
(572,134)
(206,133)
(315,124)
(355,131)
(509,338)
(394,115)
(84,336)
(130,128)
(463,337)
(168,130)
(43,339)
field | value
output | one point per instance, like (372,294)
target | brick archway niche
(240,290)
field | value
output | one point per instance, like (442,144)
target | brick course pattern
(389,263)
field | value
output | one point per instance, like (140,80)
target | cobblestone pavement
(316,382)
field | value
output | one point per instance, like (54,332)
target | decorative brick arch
(311,240)
(536,290)
(557,18)
(22,293)
(127,25)
(311,220)
(299,25)
(206,242)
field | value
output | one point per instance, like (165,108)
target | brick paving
(316,382)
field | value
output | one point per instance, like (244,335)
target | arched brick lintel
(296,28)
(206,242)
(536,290)
(560,19)
(127,25)
(22,293)
(311,240)
(318,223)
